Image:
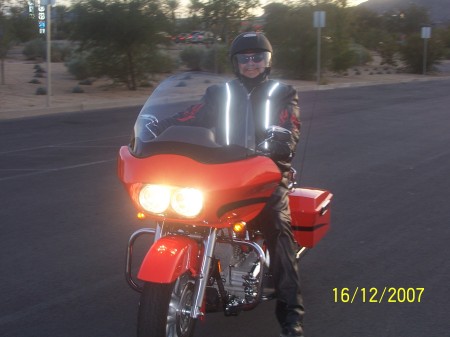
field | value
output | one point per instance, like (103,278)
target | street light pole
(49,55)
(426,34)
(319,22)
(318,54)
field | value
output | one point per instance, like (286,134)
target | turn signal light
(140,215)
(239,227)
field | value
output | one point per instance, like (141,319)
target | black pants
(275,223)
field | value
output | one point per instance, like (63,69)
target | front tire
(164,309)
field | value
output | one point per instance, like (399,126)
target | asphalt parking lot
(382,150)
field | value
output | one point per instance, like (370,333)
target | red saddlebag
(310,211)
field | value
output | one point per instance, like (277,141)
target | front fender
(170,257)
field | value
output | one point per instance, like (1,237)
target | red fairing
(170,257)
(236,189)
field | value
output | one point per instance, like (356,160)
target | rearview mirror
(278,133)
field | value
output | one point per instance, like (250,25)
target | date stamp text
(378,295)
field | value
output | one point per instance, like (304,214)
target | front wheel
(164,309)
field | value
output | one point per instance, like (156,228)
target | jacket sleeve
(196,115)
(290,116)
(190,116)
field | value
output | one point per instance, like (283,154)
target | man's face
(251,64)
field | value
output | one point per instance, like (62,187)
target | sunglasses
(244,59)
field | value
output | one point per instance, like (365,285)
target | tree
(291,32)
(60,22)
(225,16)
(196,15)
(121,38)
(412,53)
(170,7)
(365,27)
(444,35)
(15,26)
(338,29)
(5,43)
(291,29)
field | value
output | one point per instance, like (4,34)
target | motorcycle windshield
(177,94)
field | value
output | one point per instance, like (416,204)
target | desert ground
(18,94)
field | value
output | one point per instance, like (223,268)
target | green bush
(412,53)
(85,82)
(37,49)
(60,52)
(77,90)
(34,49)
(344,60)
(78,66)
(193,57)
(213,59)
(216,59)
(41,91)
(294,63)
(361,55)
(146,84)
(447,53)
(160,62)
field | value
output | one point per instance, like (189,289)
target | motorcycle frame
(202,274)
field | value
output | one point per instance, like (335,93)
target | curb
(82,107)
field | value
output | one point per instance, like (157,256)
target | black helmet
(249,42)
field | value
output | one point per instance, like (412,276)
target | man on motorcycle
(253,102)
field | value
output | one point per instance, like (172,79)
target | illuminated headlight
(187,202)
(155,198)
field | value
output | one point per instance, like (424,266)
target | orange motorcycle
(198,199)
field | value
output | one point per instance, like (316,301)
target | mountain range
(438,10)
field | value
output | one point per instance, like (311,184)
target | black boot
(292,330)
(290,319)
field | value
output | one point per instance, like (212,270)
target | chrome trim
(261,257)
(128,264)
(325,206)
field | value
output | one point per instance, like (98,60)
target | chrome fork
(200,285)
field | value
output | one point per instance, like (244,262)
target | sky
(355,2)
(185,3)
(351,2)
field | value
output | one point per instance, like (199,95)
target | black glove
(279,151)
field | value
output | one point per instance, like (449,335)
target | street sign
(41,17)
(31,9)
(319,23)
(426,32)
(319,19)
(47,2)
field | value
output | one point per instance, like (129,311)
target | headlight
(187,202)
(155,198)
